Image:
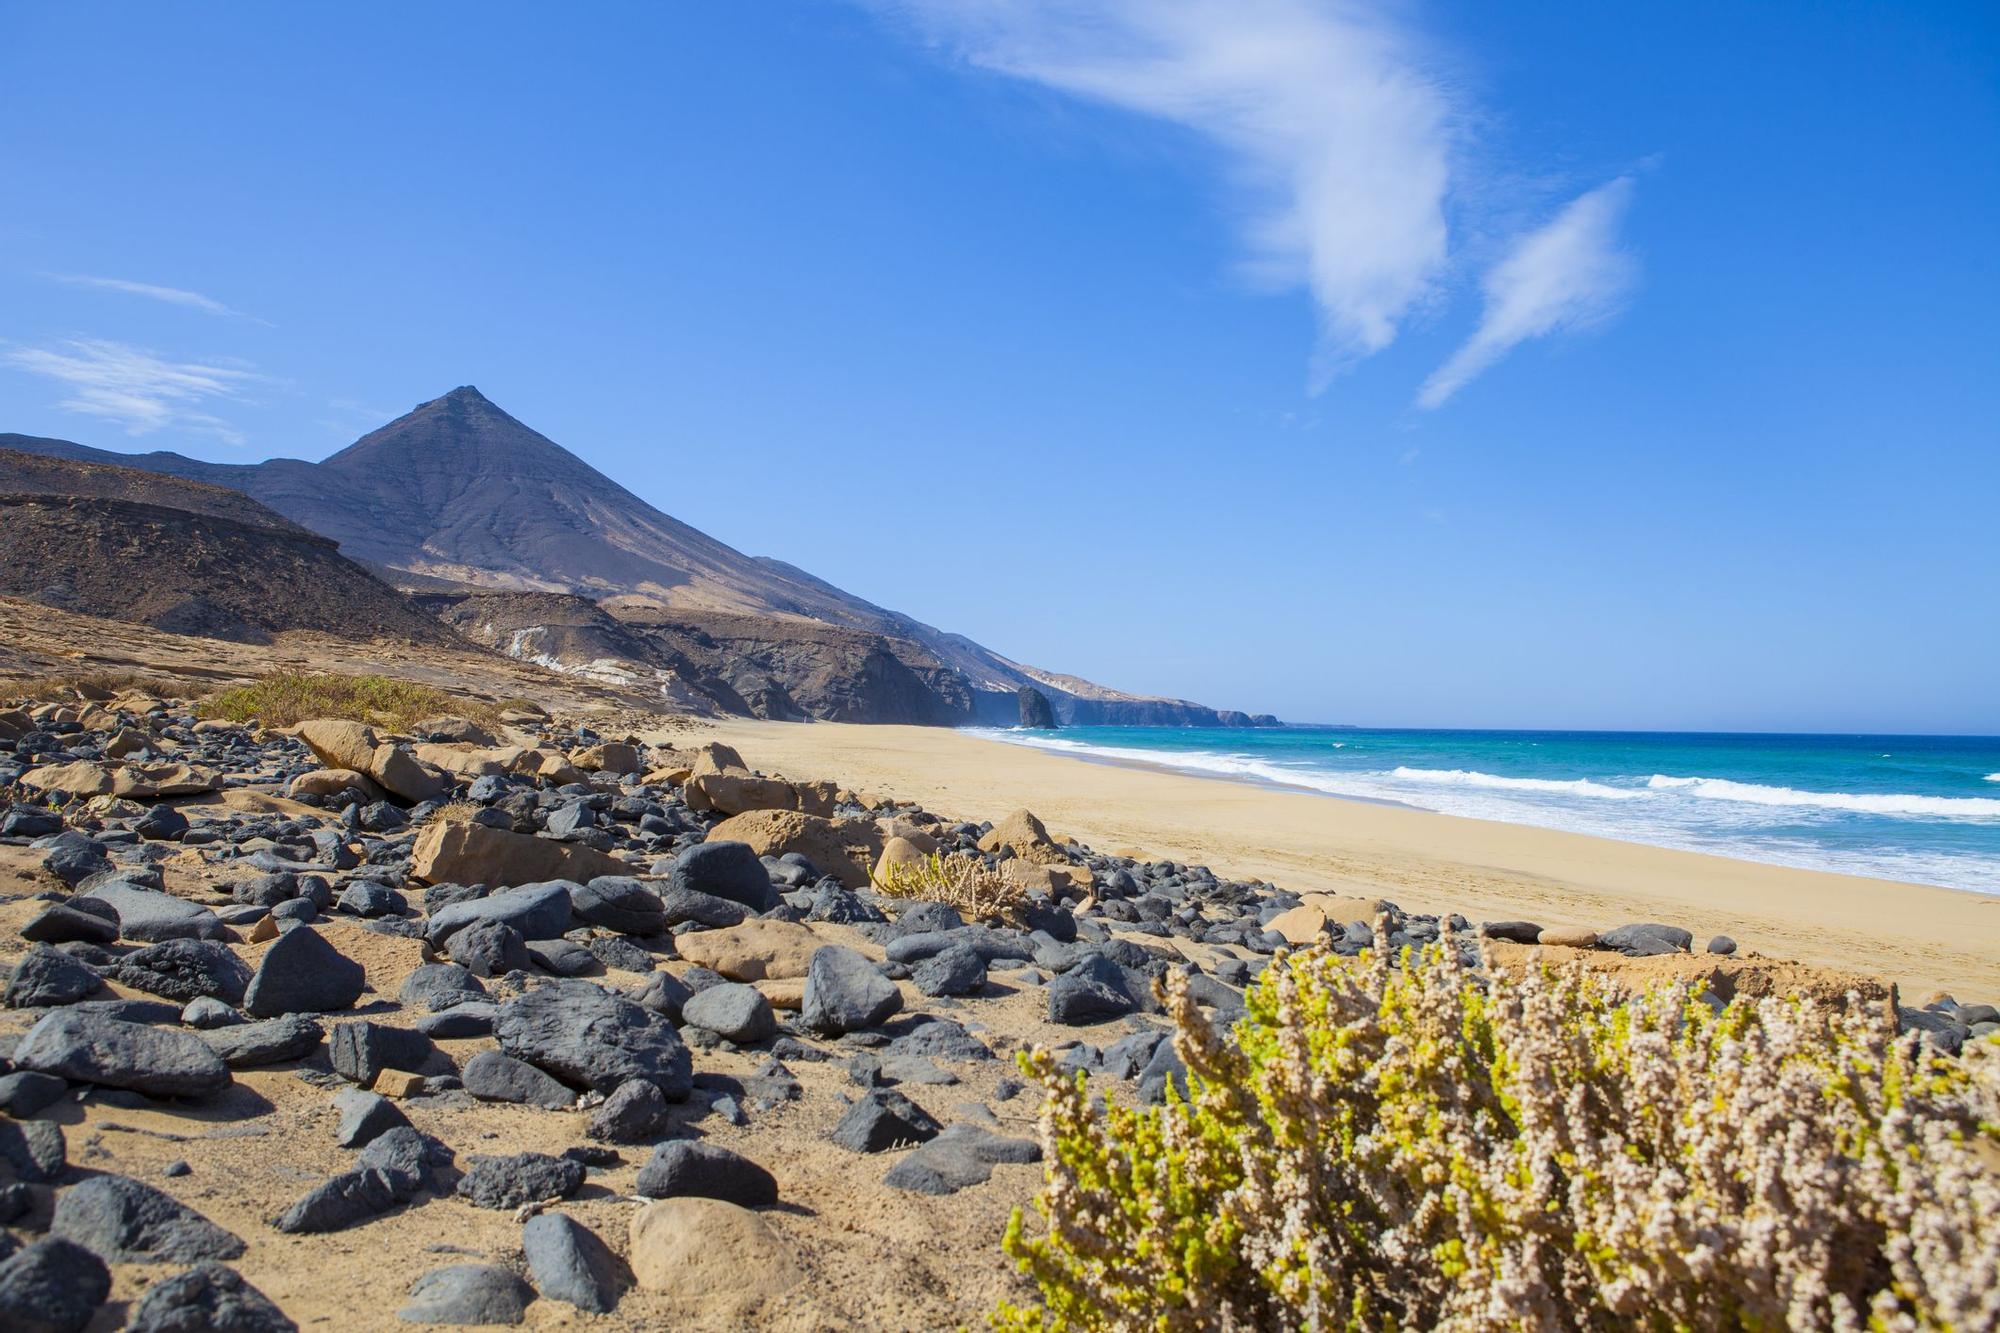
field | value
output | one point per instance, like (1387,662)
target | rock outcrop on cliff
(1035,709)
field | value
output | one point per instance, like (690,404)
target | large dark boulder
(570,1263)
(590,1038)
(680,1167)
(248,1045)
(52,1286)
(620,903)
(845,992)
(47,977)
(208,1297)
(724,869)
(186,970)
(1036,711)
(532,911)
(123,1220)
(88,1048)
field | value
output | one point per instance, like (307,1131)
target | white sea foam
(1714,815)
(1867,803)
(1460,777)
(1993,777)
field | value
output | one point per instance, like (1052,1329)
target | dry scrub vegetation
(286,698)
(1419,1148)
(69,687)
(979,892)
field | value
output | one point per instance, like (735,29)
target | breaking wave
(1866,803)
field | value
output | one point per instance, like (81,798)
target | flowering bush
(1417,1148)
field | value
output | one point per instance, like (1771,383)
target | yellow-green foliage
(286,698)
(977,891)
(1418,1148)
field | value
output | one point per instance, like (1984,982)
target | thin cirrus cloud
(134,388)
(1342,132)
(1566,275)
(155,292)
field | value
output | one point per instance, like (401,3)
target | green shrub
(979,892)
(286,698)
(1417,1148)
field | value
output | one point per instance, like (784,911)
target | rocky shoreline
(644,949)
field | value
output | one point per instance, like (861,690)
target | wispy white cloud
(1567,274)
(1344,139)
(1337,137)
(154,292)
(134,388)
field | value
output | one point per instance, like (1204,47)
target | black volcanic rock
(1036,711)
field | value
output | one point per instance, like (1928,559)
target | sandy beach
(1923,938)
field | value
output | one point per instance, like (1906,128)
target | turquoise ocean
(1920,808)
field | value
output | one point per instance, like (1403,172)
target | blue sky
(1432,364)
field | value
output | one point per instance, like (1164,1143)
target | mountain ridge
(460,492)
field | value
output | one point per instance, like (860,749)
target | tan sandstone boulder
(1571,937)
(340,744)
(331,782)
(1303,924)
(717,1262)
(401,773)
(462,760)
(1026,836)
(459,852)
(735,792)
(845,849)
(453,729)
(355,745)
(607,757)
(79,778)
(757,950)
(899,852)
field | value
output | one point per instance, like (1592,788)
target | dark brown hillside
(24,473)
(192,573)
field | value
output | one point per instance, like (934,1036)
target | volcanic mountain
(457,493)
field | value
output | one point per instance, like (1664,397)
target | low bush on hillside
(1417,1148)
(979,892)
(76,687)
(286,698)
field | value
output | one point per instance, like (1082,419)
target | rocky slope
(458,490)
(231,570)
(24,473)
(713,662)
